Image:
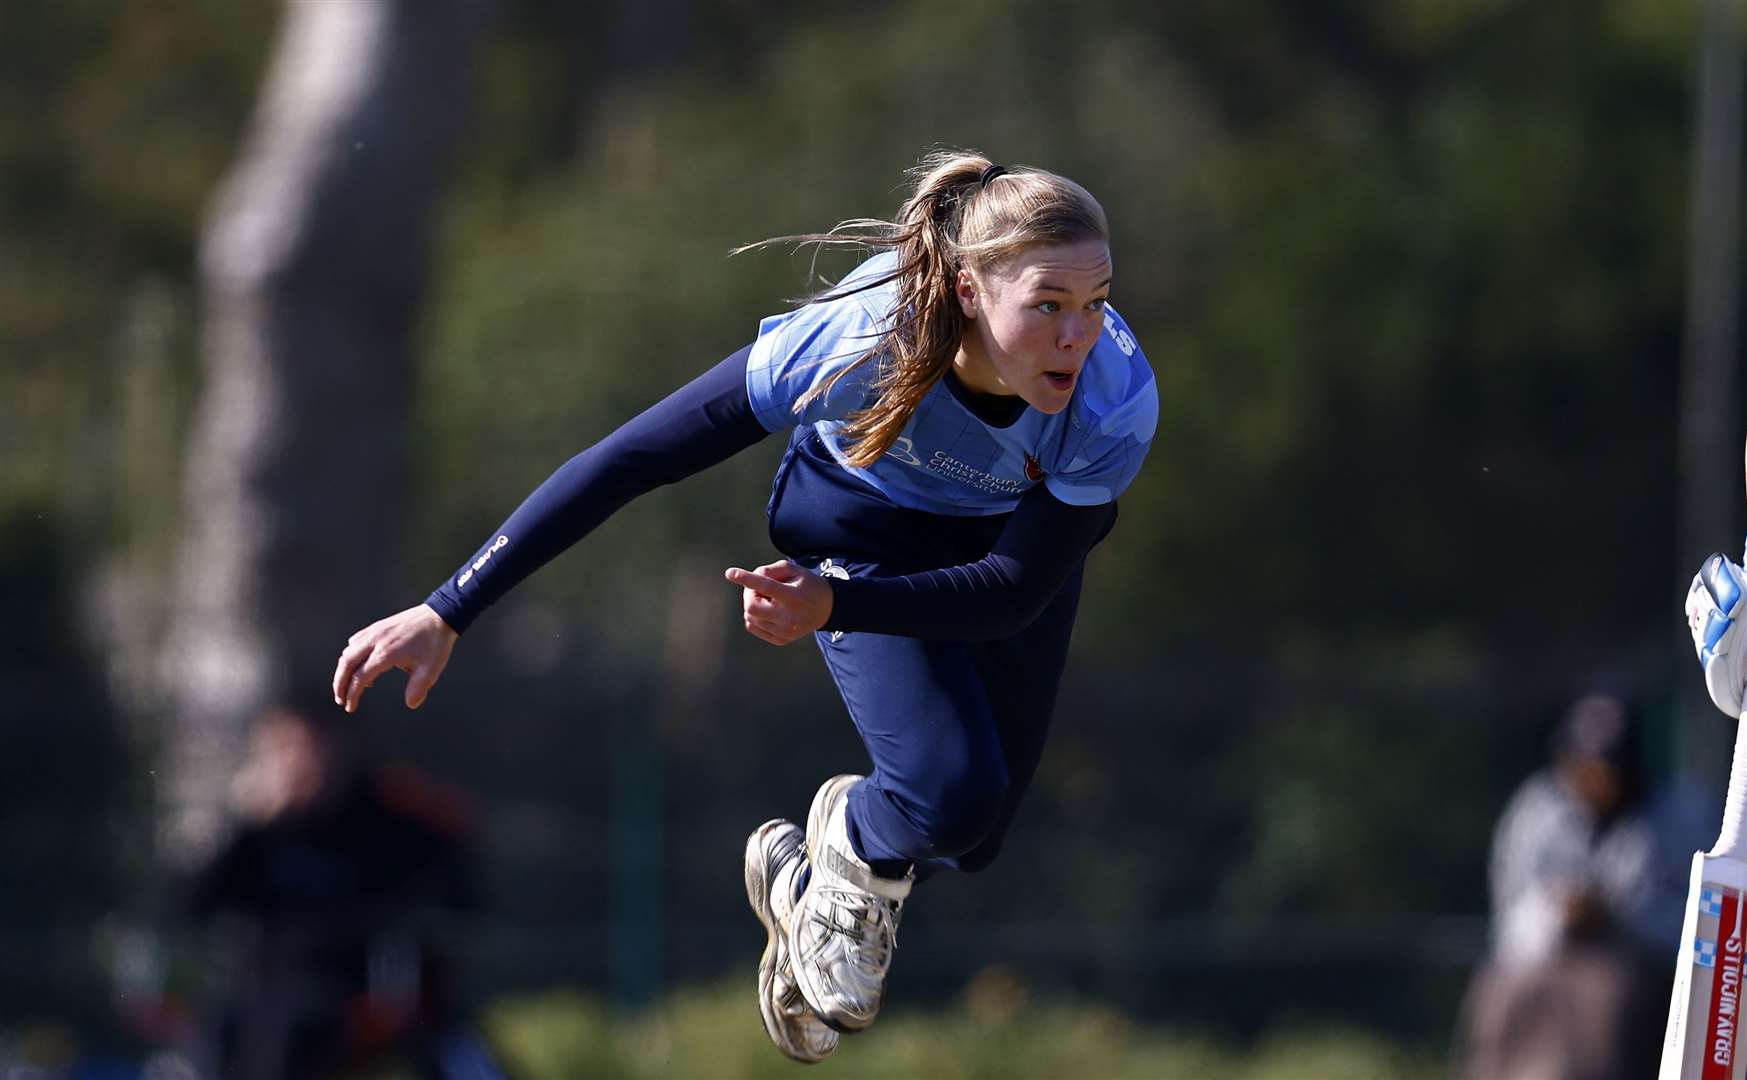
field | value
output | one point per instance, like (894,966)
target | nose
(1076,333)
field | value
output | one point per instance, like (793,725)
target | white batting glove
(1713,612)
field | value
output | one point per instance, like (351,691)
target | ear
(966,291)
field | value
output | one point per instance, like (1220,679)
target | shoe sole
(817,816)
(758,895)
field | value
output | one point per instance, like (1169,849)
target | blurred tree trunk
(313,266)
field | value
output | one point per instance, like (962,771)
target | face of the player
(1031,321)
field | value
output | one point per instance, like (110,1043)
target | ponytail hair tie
(990,173)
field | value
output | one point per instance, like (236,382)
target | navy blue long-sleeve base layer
(942,626)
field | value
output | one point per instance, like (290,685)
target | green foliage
(570,303)
(116,122)
(714,1032)
(1377,257)
(1409,273)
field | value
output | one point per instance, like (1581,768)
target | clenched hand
(781,601)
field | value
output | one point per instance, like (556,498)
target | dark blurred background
(297,301)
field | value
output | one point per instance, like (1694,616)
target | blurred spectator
(328,905)
(1589,879)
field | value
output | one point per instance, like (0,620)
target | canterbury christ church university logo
(946,465)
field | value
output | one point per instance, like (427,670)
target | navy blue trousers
(954,730)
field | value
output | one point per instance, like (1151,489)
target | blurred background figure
(1588,879)
(328,909)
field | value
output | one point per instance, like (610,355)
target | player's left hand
(781,601)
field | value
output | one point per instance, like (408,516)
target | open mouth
(1061,380)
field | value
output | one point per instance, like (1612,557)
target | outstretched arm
(994,597)
(706,421)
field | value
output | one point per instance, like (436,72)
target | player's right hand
(1713,613)
(782,602)
(416,641)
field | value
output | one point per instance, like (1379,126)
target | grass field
(714,1032)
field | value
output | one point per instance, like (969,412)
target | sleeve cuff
(859,603)
(449,611)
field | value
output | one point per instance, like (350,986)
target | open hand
(416,641)
(781,601)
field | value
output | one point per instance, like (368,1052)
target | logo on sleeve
(479,563)
(837,570)
(1033,471)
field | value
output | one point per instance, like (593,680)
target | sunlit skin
(1031,320)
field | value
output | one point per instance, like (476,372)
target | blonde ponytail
(953,218)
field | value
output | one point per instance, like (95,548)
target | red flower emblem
(1033,471)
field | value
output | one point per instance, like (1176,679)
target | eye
(1099,304)
(1049,307)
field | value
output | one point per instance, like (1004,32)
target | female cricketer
(964,409)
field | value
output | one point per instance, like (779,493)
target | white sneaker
(775,857)
(845,926)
